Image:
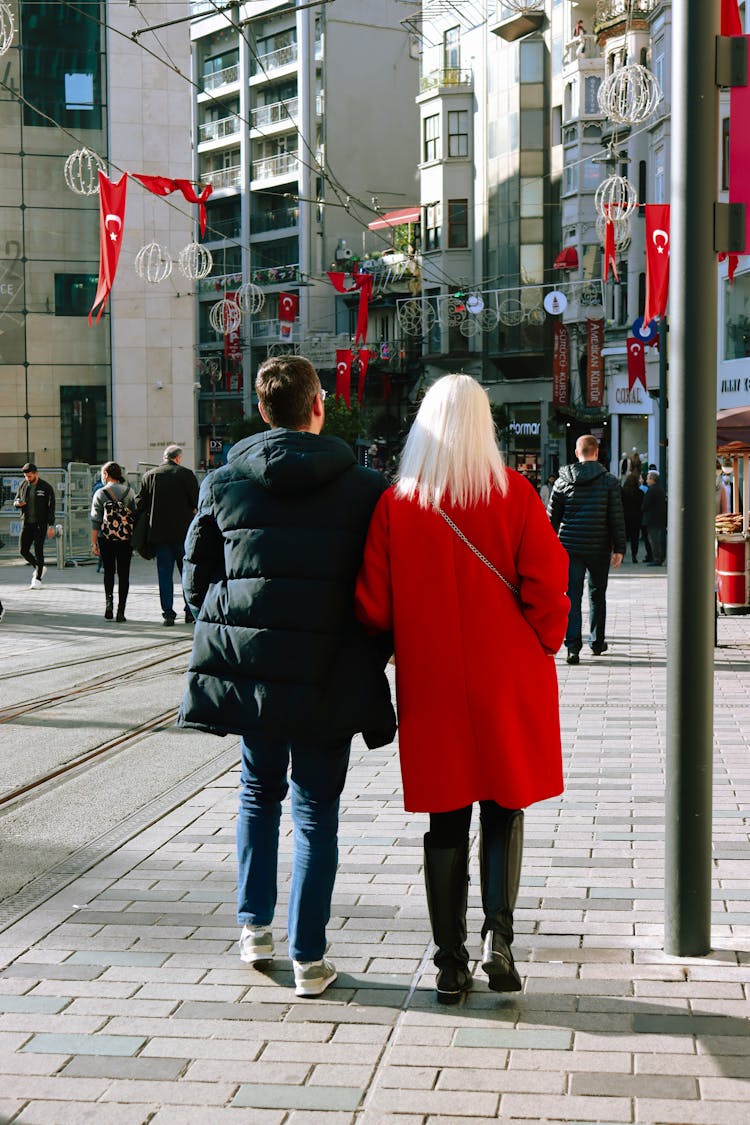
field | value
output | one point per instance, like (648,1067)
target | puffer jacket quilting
(586,511)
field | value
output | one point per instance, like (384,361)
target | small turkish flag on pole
(288,306)
(636,363)
(657,260)
(610,255)
(111,225)
(344,375)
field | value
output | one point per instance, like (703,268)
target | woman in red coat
(475,675)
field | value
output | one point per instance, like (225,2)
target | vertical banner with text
(595,364)
(560,364)
(233,355)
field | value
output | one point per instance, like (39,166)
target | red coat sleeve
(373,594)
(542,564)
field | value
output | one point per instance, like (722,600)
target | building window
(432,137)
(659,184)
(74,293)
(737,318)
(591,95)
(83,424)
(458,132)
(433,226)
(452,49)
(458,223)
(61,64)
(531,62)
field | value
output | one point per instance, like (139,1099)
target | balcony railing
(218,229)
(224,177)
(219,78)
(218,130)
(608,11)
(198,7)
(265,329)
(274,114)
(283,56)
(582,47)
(275,275)
(451,76)
(274,220)
(284,164)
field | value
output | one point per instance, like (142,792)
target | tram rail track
(42,669)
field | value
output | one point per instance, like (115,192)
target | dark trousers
(646,544)
(657,537)
(34,533)
(451,829)
(116,558)
(597,568)
(168,556)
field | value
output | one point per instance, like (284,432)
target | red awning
(567,259)
(398,218)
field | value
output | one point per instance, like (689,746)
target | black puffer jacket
(586,510)
(270,565)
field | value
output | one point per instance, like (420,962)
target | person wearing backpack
(112,522)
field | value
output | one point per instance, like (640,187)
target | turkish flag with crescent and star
(636,363)
(344,375)
(657,260)
(111,225)
(610,250)
(288,306)
(364,362)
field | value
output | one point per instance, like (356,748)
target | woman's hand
(94,547)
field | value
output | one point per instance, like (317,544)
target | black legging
(34,534)
(116,556)
(451,829)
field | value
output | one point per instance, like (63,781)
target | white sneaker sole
(256,956)
(314,988)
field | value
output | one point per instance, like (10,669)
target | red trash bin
(733,573)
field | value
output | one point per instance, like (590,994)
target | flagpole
(663,400)
(692,450)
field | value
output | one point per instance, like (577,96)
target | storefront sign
(595,365)
(525,429)
(560,364)
(623,399)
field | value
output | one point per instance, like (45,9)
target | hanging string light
(225,317)
(7,28)
(195,261)
(615,197)
(153,263)
(630,95)
(250,298)
(82,170)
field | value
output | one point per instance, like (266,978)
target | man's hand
(50,533)
(615,561)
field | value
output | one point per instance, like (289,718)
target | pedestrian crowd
(304,572)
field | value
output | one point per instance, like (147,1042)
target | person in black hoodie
(35,499)
(586,511)
(278,655)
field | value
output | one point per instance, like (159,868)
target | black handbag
(141,535)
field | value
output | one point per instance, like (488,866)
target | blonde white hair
(451,452)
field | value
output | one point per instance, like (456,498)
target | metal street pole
(692,451)
(663,398)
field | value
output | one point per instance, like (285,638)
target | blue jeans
(168,555)
(318,776)
(598,571)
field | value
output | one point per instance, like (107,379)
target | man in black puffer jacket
(586,511)
(271,560)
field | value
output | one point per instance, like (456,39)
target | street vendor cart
(732,528)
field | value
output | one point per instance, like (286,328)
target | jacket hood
(582,472)
(291,461)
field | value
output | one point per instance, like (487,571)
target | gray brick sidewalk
(123,1001)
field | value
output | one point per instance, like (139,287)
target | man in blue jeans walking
(279,656)
(585,508)
(169,494)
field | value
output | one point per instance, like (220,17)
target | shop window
(458,223)
(74,293)
(737,317)
(433,226)
(458,132)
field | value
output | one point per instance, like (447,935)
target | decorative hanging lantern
(510,312)
(153,263)
(82,170)
(622,232)
(630,95)
(225,317)
(250,298)
(195,261)
(616,198)
(6,28)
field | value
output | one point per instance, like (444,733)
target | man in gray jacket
(586,511)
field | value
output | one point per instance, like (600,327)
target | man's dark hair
(286,386)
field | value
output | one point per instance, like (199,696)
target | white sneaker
(313,977)
(256,944)
(35,584)
(44,571)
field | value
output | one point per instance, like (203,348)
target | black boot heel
(498,964)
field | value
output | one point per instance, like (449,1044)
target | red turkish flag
(364,362)
(610,258)
(111,226)
(363,282)
(731,24)
(739,148)
(288,306)
(636,363)
(734,261)
(657,260)
(344,375)
(163,185)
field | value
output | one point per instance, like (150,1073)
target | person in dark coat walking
(169,494)
(279,656)
(586,511)
(35,499)
(632,499)
(655,518)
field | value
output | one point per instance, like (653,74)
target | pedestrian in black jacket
(655,518)
(586,511)
(170,496)
(35,499)
(279,656)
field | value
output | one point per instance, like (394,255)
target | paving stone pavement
(122,999)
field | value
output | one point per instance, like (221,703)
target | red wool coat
(475,677)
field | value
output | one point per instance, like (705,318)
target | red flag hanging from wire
(731,23)
(111,225)
(636,363)
(162,185)
(657,260)
(362,282)
(610,252)
(363,356)
(344,375)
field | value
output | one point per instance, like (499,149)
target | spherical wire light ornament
(7,28)
(153,263)
(195,261)
(469,328)
(615,198)
(623,232)
(82,170)
(510,312)
(629,95)
(250,298)
(225,317)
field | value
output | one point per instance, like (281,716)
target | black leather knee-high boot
(446,874)
(500,854)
